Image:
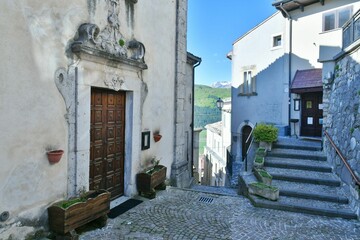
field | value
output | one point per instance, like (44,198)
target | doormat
(125,206)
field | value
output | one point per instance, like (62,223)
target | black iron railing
(351,30)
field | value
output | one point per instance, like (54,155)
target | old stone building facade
(95,78)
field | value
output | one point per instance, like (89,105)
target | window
(247,81)
(248,87)
(336,19)
(277,41)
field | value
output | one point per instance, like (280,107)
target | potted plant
(65,216)
(150,179)
(54,154)
(157,136)
(265,134)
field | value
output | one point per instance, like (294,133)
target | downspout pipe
(193,115)
(290,61)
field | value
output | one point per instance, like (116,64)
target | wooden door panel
(107,141)
(311,114)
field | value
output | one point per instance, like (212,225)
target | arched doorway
(246,130)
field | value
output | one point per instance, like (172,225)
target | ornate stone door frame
(101,58)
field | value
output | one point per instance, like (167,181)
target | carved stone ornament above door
(109,43)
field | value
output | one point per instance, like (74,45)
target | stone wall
(342,119)
(181,168)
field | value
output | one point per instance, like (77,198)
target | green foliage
(259,159)
(352,130)
(265,133)
(68,203)
(205,109)
(121,42)
(263,173)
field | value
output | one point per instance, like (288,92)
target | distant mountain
(221,85)
(205,109)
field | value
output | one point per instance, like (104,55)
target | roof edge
(254,28)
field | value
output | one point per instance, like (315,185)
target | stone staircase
(305,180)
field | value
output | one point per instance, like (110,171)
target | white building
(276,73)
(95,79)
(215,151)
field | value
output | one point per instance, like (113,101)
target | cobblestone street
(181,214)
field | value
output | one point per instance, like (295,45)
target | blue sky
(213,25)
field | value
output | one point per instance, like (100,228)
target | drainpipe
(290,61)
(76,128)
(193,116)
(172,176)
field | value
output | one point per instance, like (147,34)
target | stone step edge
(313,168)
(297,156)
(318,181)
(320,197)
(302,209)
(297,147)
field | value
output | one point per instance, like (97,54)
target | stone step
(308,165)
(294,175)
(295,143)
(297,154)
(305,206)
(311,191)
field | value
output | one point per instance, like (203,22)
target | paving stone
(178,214)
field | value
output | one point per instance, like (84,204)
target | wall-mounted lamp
(220,103)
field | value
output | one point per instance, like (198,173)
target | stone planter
(259,162)
(266,145)
(150,180)
(92,205)
(265,191)
(263,176)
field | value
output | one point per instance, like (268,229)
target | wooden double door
(107,141)
(311,114)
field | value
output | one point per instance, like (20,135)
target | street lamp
(220,103)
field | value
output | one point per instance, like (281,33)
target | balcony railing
(351,30)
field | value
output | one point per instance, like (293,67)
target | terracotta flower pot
(55,156)
(157,137)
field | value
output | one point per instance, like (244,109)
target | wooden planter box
(64,220)
(150,180)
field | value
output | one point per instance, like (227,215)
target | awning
(309,80)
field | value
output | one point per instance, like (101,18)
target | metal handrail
(342,158)
(247,140)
